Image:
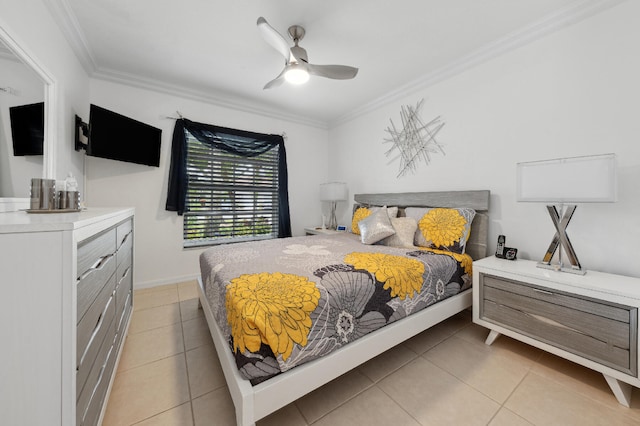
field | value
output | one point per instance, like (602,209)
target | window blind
(229,198)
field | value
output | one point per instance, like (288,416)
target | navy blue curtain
(238,142)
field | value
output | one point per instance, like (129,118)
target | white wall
(572,93)
(30,23)
(16,171)
(159,256)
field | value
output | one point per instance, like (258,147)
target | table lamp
(587,179)
(333,192)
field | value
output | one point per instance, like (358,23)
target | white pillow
(405,228)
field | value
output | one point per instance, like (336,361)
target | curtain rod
(180,116)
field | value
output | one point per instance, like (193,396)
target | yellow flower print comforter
(288,301)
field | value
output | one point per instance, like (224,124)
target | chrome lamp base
(561,241)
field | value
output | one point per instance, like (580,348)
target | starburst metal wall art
(415,141)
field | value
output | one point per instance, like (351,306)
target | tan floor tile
(189,310)
(508,418)
(321,401)
(585,381)
(545,402)
(479,366)
(289,416)
(152,345)
(372,408)
(155,296)
(439,332)
(387,362)
(181,415)
(435,397)
(188,290)
(205,372)
(196,333)
(151,389)
(160,316)
(214,409)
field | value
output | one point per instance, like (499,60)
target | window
(229,198)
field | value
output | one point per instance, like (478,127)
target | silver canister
(68,200)
(43,194)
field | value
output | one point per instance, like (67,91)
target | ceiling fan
(297,67)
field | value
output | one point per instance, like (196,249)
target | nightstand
(320,231)
(589,319)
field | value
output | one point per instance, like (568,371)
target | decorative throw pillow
(375,227)
(405,228)
(360,212)
(442,228)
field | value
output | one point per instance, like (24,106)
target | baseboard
(164,281)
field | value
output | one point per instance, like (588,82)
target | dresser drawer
(91,397)
(92,329)
(124,238)
(122,316)
(96,264)
(123,292)
(93,249)
(601,331)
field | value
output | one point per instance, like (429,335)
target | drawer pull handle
(95,330)
(95,388)
(96,266)
(126,272)
(126,237)
(537,290)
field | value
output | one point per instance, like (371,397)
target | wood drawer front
(91,250)
(93,329)
(123,293)
(91,398)
(562,320)
(125,247)
(584,304)
(98,264)
(124,229)
(121,318)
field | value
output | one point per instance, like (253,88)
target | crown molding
(7,55)
(68,23)
(573,13)
(206,96)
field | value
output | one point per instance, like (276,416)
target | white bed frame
(255,402)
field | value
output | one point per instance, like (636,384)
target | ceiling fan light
(296,75)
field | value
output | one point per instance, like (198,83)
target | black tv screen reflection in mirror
(27,129)
(116,137)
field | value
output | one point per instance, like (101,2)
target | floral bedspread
(285,302)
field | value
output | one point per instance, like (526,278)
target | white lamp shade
(333,191)
(588,179)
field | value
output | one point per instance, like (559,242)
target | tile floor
(169,374)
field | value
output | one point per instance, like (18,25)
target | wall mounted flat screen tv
(27,129)
(116,137)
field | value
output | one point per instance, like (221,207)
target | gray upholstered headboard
(477,200)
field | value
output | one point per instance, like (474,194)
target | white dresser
(65,306)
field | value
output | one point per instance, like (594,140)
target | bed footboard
(255,402)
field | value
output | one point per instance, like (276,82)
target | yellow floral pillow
(442,228)
(359,214)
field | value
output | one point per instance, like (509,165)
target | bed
(266,371)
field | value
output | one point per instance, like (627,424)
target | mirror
(19,87)
(16,56)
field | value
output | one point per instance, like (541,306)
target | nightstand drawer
(601,331)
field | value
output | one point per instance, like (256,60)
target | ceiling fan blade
(276,81)
(337,72)
(274,39)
